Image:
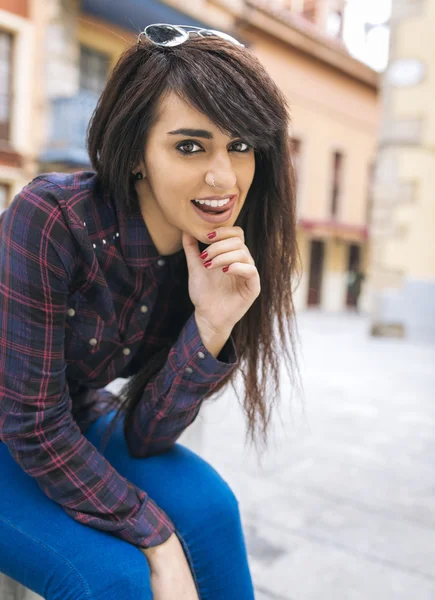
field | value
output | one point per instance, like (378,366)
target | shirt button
(201,355)
(93,342)
(126,351)
(161,262)
(144,308)
(71,312)
(188,370)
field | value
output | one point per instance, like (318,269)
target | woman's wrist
(213,337)
(155,553)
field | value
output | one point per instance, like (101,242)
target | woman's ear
(139,168)
(139,173)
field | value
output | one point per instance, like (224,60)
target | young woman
(148,268)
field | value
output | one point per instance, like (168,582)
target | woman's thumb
(191,249)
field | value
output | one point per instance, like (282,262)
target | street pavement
(342,506)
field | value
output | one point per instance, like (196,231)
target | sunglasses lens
(165,35)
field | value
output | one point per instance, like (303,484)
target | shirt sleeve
(172,399)
(36,421)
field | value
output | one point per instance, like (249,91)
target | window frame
(92,53)
(338,159)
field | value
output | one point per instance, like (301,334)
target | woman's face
(183,153)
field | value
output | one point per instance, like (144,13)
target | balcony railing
(69,119)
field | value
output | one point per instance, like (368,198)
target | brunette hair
(229,85)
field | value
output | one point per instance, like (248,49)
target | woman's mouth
(215,211)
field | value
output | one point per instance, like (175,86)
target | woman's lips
(218,217)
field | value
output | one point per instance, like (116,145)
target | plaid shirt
(84,299)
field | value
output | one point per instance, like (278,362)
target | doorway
(316,272)
(354,276)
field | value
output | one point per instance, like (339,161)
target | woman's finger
(244,270)
(228,258)
(222,233)
(234,243)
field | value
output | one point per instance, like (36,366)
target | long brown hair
(229,85)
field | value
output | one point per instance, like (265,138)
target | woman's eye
(187,147)
(245,149)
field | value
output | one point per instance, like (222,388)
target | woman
(148,268)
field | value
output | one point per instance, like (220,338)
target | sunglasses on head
(164,34)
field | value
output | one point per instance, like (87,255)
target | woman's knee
(209,498)
(219,503)
(101,579)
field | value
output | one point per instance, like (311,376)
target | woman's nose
(222,173)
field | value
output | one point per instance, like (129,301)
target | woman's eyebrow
(193,132)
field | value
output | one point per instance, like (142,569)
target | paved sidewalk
(343,507)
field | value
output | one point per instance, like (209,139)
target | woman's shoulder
(65,185)
(52,207)
(64,196)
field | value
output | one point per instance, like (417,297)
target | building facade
(17,44)
(402,267)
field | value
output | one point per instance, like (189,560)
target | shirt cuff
(198,364)
(158,528)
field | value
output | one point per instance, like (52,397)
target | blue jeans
(60,559)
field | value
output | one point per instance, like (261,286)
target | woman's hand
(221,298)
(170,572)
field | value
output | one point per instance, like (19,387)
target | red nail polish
(211,235)
(207,264)
(225,269)
(203,255)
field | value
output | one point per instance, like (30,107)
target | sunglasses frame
(185,31)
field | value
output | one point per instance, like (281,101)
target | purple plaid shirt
(85,298)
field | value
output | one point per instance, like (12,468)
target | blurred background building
(56,54)
(402,271)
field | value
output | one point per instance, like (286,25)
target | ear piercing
(138,175)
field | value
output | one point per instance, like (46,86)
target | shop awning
(136,14)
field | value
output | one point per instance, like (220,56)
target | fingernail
(203,255)
(211,235)
(207,264)
(225,269)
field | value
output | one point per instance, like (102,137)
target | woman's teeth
(213,202)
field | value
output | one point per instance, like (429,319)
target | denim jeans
(60,559)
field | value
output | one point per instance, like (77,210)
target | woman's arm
(171,400)
(36,423)
(204,354)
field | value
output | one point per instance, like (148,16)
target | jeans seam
(55,552)
(189,559)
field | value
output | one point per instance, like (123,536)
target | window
(296,154)
(370,192)
(5,83)
(94,68)
(296,158)
(336,182)
(4,197)
(315,281)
